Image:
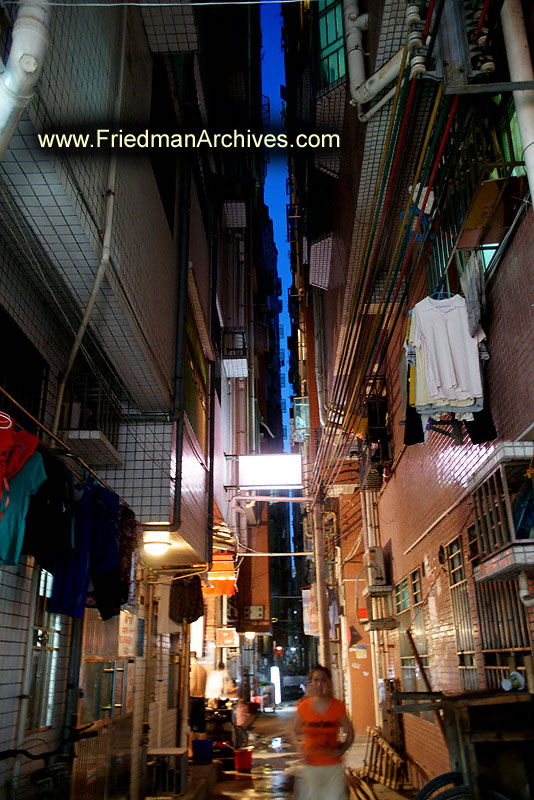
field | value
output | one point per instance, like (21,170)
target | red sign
(227,637)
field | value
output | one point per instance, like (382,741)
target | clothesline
(66,449)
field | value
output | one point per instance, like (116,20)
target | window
(409,594)
(482,176)
(45,651)
(461,616)
(502,507)
(331,42)
(402,610)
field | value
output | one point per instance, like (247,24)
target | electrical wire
(143,4)
(376,226)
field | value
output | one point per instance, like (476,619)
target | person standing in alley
(319,720)
(197,699)
(218,685)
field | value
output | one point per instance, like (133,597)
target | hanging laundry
(71,570)
(23,485)
(444,365)
(104,553)
(50,518)
(16,447)
(473,285)
(186,602)
(130,540)
(450,362)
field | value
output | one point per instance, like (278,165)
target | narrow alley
(266,397)
(275,766)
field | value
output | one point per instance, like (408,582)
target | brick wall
(425,505)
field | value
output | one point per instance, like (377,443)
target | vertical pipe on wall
(211,396)
(105,255)
(184,704)
(19,77)
(149,613)
(370,539)
(520,68)
(184,215)
(320,586)
(26,675)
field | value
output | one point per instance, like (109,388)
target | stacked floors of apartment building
(424,479)
(138,364)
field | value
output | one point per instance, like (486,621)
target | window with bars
(45,653)
(461,615)
(502,507)
(483,186)
(402,611)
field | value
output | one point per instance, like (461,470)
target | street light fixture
(156,543)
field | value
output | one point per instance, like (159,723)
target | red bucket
(243,759)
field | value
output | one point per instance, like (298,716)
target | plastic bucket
(203,751)
(243,759)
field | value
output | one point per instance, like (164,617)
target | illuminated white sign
(280,471)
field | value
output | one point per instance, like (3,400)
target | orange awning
(221,575)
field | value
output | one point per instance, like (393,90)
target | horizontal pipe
(277,555)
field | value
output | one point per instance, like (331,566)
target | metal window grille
(462,617)
(503,629)
(497,511)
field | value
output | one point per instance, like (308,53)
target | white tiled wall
(15,591)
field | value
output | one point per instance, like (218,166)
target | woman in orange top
(319,720)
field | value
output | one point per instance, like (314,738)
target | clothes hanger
(439,292)
(5,421)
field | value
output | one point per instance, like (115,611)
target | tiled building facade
(439,608)
(161,249)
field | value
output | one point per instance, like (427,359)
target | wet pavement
(275,764)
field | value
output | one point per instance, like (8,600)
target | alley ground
(275,765)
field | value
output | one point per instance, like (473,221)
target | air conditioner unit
(373,559)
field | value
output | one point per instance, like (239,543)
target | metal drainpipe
(520,68)
(148,680)
(26,677)
(181,334)
(211,401)
(320,585)
(184,718)
(368,530)
(24,66)
(106,242)
(362,90)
